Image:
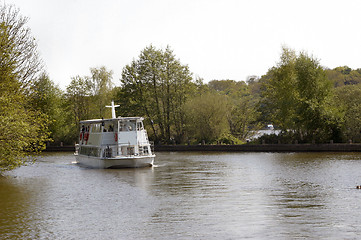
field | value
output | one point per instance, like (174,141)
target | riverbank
(263,148)
(355,147)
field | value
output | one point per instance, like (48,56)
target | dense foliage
(307,102)
(23,128)
(157,86)
(301,99)
(298,96)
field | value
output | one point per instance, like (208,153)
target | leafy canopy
(299,98)
(23,129)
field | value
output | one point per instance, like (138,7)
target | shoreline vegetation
(295,147)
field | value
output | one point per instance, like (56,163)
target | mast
(113,109)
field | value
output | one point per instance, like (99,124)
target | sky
(217,39)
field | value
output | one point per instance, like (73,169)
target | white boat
(118,142)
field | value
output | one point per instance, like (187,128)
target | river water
(186,196)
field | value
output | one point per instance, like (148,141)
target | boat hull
(124,162)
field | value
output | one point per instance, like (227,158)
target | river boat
(118,142)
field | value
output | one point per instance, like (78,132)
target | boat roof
(123,119)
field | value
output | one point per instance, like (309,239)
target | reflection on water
(13,208)
(186,196)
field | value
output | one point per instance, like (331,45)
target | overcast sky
(217,39)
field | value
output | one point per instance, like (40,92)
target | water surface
(186,196)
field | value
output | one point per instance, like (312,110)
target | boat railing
(77,149)
(112,150)
(126,150)
(151,146)
(109,150)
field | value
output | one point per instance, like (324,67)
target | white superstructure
(114,143)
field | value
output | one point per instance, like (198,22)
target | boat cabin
(116,137)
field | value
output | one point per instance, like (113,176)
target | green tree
(336,77)
(348,97)
(228,87)
(100,87)
(317,116)
(242,115)
(23,129)
(279,92)
(20,45)
(341,76)
(78,102)
(156,86)
(207,117)
(49,99)
(301,98)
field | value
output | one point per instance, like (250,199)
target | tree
(243,117)
(156,86)
(207,117)
(349,99)
(23,129)
(49,99)
(279,93)
(242,113)
(230,88)
(78,101)
(100,87)
(341,76)
(300,95)
(20,45)
(317,116)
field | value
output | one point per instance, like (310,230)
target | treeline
(307,102)
(177,108)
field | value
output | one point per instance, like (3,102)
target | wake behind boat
(114,143)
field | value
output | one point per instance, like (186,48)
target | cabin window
(145,150)
(108,127)
(139,126)
(127,126)
(96,128)
(124,127)
(131,125)
(84,128)
(108,152)
(89,151)
(130,150)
